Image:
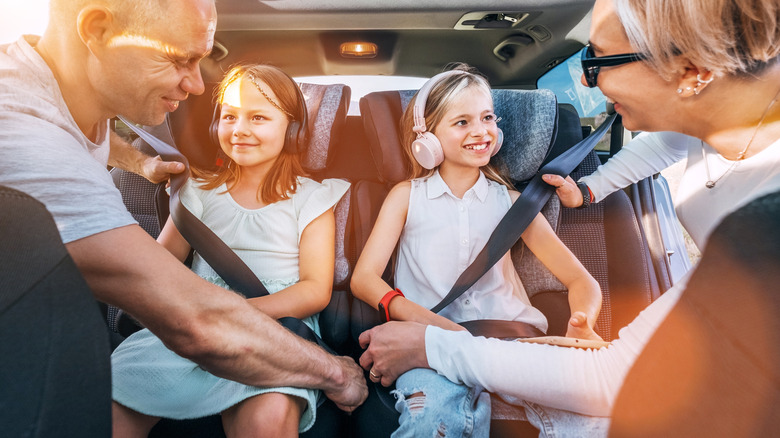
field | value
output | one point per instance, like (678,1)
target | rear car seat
(607,232)
(188,126)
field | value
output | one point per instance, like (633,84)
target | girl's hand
(580,328)
(566,189)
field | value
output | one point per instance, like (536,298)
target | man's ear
(95,26)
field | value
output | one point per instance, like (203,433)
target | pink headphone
(427,148)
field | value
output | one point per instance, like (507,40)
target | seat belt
(202,239)
(521,213)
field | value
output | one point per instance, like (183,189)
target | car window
(590,103)
(364,84)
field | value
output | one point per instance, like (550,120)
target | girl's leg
(127,423)
(271,415)
(558,423)
(432,406)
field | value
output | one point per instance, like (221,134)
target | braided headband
(251,77)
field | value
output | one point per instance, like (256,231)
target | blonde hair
(282,179)
(727,37)
(439,100)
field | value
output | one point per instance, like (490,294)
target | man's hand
(352,391)
(566,189)
(124,156)
(392,349)
(580,328)
(156,170)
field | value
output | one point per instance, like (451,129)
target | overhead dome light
(358,49)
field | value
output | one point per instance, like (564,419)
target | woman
(706,69)
(722,93)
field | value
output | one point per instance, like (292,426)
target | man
(95,60)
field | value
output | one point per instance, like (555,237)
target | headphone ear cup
(214,126)
(427,150)
(294,138)
(499,142)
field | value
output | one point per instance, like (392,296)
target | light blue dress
(149,378)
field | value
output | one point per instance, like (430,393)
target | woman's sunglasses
(591,64)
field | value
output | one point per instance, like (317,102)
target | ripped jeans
(445,409)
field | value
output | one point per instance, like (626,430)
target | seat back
(188,129)
(55,372)
(529,125)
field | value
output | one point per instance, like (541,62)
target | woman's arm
(367,283)
(173,241)
(315,264)
(584,290)
(645,155)
(578,380)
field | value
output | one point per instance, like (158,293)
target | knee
(268,415)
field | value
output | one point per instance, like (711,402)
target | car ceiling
(414,37)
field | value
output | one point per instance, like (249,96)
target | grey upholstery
(147,202)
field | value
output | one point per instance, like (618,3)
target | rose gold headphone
(427,148)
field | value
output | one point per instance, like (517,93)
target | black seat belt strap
(214,251)
(521,213)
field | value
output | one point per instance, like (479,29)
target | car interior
(356,138)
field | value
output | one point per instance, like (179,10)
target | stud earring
(679,91)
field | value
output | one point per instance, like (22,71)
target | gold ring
(372,374)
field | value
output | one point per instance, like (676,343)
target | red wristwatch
(384,304)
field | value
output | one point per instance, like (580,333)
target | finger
(366,360)
(365,338)
(346,408)
(553,180)
(387,380)
(578,319)
(174,167)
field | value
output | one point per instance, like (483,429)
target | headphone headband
(422,98)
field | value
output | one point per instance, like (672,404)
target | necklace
(710,182)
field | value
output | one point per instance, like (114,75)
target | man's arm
(214,327)
(124,156)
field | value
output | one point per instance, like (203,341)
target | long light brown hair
(281,181)
(439,100)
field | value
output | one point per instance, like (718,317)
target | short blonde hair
(727,37)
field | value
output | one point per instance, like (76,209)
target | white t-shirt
(44,153)
(267,239)
(442,236)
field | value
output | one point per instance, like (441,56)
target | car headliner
(415,37)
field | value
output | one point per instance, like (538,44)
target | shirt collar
(437,187)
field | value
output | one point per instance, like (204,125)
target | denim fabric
(557,423)
(446,409)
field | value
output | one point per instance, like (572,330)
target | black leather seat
(55,370)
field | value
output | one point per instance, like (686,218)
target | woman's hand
(580,328)
(566,189)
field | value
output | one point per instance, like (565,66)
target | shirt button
(462,208)
(464,241)
(468,302)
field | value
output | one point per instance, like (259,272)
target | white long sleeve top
(588,381)
(699,209)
